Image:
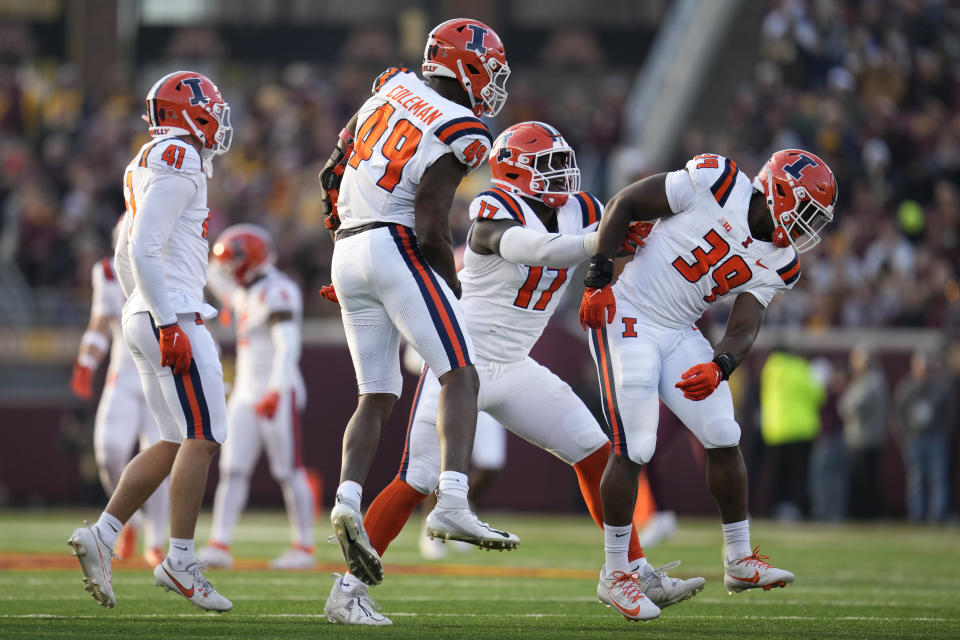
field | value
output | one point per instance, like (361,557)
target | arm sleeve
(681,193)
(101,303)
(285,336)
(555,250)
(165,199)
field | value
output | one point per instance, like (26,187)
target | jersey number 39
(729,274)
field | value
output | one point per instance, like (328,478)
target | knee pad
(422,479)
(721,433)
(643,448)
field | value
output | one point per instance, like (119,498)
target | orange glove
(595,302)
(699,381)
(175,349)
(328,292)
(636,233)
(81,382)
(267,406)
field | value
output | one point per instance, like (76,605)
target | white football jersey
(704,251)
(401,131)
(185,251)
(108,302)
(507,305)
(252,307)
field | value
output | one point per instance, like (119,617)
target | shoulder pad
(713,172)
(452,130)
(590,208)
(386,76)
(790,272)
(496,204)
(171,154)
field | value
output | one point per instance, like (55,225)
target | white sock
(108,528)
(181,553)
(347,582)
(299,502)
(736,537)
(350,492)
(228,504)
(616,544)
(641,566)
(453,486)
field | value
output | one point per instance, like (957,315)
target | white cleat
(362,559)
(432,548)
(462,524)
(625,592)
(190,584)
(664,590)
(662,525)
(215,556)
(752,572)
(349,602)
(294,558)
(95,558)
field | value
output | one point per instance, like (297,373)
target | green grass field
(864,581)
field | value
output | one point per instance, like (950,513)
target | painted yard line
(410,614)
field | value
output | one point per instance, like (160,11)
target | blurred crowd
(873,86)
(62,160)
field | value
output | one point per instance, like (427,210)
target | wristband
(600,272)
(87,360)
(727,364)
(95,339)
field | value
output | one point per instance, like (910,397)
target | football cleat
(462,524)
(95,558)
(362,559)
(661,526)
(349,602)
(215,556)
(190,584)
(432,548)
(664,590)
(297,557)
(154,556)
(624,591)
(753,572)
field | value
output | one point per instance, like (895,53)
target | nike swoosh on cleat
(630,612)
(754,580)
(185,592)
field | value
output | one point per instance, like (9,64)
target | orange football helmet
(801,193)
(188,103)
(470,52)
(244,251)
(533,159)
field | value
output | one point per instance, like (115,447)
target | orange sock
(646,505)
(589,472)
(389,511)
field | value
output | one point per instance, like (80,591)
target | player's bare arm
(742,327)
(485,235)
(642,201)
(432,215)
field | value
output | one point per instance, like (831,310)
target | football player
(528,231)
(719,233)
(122,417)
(268,395)
(400,159)
(161,262)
